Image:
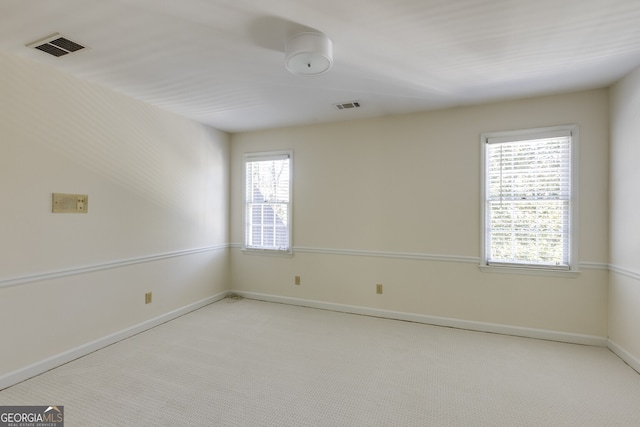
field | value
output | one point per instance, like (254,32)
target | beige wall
(624,292)
(392,200)
(406,190)
(158,189)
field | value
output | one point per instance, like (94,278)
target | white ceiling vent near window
(347,105)
(56,45)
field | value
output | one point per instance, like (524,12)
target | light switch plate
(70,203)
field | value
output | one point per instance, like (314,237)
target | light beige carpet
(251,363)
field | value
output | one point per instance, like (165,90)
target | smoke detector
(56,45)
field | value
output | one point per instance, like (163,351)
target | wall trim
(412,256)
(383,254)
(14,281)
(594,265)
(495,328)
(624,272)
(22,374)
(379,254)
(623,354)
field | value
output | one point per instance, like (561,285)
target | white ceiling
(221,62)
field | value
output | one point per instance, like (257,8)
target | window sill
(267,252)
(529,271)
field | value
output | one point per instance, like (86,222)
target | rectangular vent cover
(56,45)
(348,105)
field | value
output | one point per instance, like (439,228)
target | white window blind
(528,181)
(267,201)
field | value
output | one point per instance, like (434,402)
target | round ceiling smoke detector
(309,54)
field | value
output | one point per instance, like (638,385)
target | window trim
(258,156)
(525,134)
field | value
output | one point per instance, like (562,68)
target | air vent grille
(348,105)
(66,44)
(51,50)
(56,45)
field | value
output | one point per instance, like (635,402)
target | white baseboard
(42,366)
(628,358)
(436,321)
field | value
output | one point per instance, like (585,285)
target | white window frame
(522,135)
(264,156)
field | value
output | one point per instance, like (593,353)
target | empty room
(320,213)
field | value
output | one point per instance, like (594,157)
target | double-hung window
(267,213)
(528,193)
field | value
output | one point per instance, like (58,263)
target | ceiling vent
(348,105)
(56,45)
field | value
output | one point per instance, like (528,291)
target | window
(268,201)
(528,197)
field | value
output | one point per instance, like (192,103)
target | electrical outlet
(379,288)
(297,280)
(147,298)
